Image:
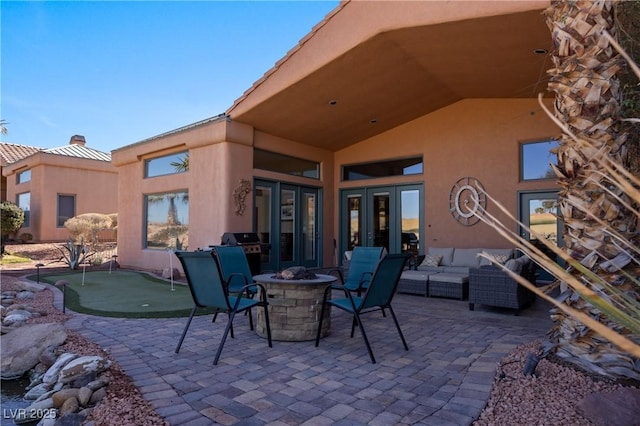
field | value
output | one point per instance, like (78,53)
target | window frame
(58,212)
(21,173)
(548,175)
(174,156)
(145,219)
(278,158)
(349,172)
(27,213)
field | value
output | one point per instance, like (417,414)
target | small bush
(25,237)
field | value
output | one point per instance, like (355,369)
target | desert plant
(11,220)
(74,254)
(600,217)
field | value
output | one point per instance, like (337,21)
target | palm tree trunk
(587,89)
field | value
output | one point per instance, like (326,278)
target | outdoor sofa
(444,272)
(490,285)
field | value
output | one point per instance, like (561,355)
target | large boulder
(22,348)
(83,366)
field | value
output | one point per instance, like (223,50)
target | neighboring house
(54,184)
(380,122)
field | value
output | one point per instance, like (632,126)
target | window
(167,165)
(402,167)
(66,208)
(24,202)
(167,220)
(23,176)
(274,162)
(535,159)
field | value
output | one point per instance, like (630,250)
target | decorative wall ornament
(239,194)
(467,197)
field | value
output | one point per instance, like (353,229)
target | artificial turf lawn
(125,294)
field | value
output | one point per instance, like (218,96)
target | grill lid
(240,238)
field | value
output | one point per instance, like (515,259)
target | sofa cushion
(433,269)
(416,275)
(466,257)
(446,253)
(431,260)
(501,255)
(448,277)
(456,269)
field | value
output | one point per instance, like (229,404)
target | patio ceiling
(400,75)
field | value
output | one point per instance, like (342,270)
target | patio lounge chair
(378,295)
(363,263)
(209,289)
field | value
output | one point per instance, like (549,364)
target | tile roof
(10,152)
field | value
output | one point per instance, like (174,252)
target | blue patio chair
(363,263)
(236,272)
(209,290)
(378,295)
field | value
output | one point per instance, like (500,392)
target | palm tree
(3,127)
(587,89)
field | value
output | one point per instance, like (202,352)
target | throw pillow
(431,260)
(497,258)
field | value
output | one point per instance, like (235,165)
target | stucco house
(54,184)
(373,128)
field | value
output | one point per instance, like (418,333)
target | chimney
(77,140)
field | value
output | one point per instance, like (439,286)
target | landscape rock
(62,395)
(52,374)
(21,349)
(620,407)
(84,396)
(70,405)
(37,391)
(25,295)
(82,366)
(30,286)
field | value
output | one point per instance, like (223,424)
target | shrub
(25,237)
(86,226)
(12,219)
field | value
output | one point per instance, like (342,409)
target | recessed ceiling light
(540,51)
(333,102)
(374,121)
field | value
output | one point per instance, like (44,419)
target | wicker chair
(489,285)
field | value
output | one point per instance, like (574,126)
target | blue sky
(121,72)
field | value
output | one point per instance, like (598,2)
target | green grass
(10,259)
(123,294)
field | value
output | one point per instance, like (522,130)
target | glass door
(539,212)
(389,217)
(286,219)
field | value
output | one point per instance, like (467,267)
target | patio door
(539,211)
(286,218)
(388,216)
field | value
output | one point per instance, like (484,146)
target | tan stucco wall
(94,184)
(475,137)
(220,156)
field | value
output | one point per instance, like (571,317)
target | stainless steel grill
(250,243)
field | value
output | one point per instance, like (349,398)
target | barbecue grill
(250,243)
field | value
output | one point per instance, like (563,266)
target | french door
(286,218)
(539,211)
(386,216)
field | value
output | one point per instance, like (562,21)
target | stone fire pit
(294,307)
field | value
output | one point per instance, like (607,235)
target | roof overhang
(372,66)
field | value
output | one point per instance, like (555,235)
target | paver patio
(444,379)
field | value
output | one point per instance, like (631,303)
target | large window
(167,165)
(24,202)
(535,159)
(66,208)
(274,162)
(23,176)
(167,220)
(401,167)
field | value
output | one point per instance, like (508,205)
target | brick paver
(444,379)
